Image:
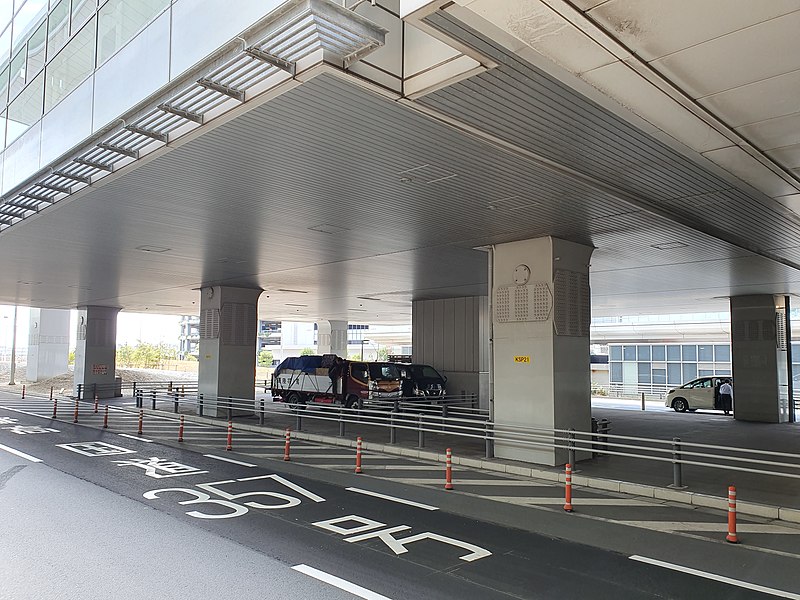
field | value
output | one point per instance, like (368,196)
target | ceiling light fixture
(669,245)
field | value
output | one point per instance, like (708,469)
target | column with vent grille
(540,317)
(227,361)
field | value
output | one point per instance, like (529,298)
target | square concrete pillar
(96,351)
(228,331)
(48,343)
(332,338)
(541,316)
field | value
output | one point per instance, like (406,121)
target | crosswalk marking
(546,500)
(720,527)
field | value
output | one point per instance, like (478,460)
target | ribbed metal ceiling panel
(521,104)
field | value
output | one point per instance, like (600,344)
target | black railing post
(489,453)
(200,404)
(261,413)
(341,422)
(175,396)
(677,473)
(421,432)
(80,391)
(392,428)
(94,391)
(153,394)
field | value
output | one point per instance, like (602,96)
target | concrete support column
(541,315)
(48,343)
(452,335)
(96,350)
(758,354)
(332,338)
(228,331)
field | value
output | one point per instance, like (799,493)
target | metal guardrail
(431,419)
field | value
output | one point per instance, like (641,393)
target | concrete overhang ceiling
(342,202)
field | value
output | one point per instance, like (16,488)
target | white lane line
(230,460)
(715,577)
(25,412)
(340,583)
(20,454)
(391,498)
(482,482)
(135,437)
(714,527)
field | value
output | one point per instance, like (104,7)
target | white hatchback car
(702,392)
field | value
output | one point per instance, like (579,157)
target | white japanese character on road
(160,468)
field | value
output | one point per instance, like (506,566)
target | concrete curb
(791,515)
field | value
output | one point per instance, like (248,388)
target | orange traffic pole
(358,454)
(75,416)
(105,418)
(448,470)
(55,408)
(286,445)
(95,404)
(141,421)
(568,489)
(230,436)
(23,391)
(732,537)
(180,430)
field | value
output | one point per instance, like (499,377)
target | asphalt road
(104,515)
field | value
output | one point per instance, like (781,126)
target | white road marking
(342,584)
(25,412)
(718,527)
(392,498)
(484,482)
(20,454)
(230,460)
(135,437)
(395,467)
(715,577)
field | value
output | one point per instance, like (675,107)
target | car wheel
(680,405)
(295,398)
(351,402)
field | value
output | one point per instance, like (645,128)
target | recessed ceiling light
(19,281)
(670,245)
(152,248)
(292,291)
(296,304)
(328,228)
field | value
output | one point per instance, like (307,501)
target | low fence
(464,423)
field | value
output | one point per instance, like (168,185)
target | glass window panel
(616,372)
(705,353)
(70,66)
(705,372)
(6,12)
(644,372)
(722,353)
(121,20)
(723,372)
(3,121)
(674,376)
(690,353)
(629,352)
(36,47)
(643,353)
(58,28)
(26,109)
(673,353)
(689,372)
(659,353)
(16,76)
(82,11)
(615,352)
(5,46)
(4,88)
(28,16)
(796,353)
(659,376)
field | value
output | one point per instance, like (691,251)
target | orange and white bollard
(448,470)
(230,436)
(75,415)
(568,489)
(96,404)
(55,408)
(105,418)
(180,430)
(732,537)
(358,454)
(286,445)
(51,392)
(23,391)
(141,421)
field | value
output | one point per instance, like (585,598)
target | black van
(422,381)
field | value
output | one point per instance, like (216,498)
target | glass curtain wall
(49,47)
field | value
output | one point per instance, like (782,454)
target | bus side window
(359,371)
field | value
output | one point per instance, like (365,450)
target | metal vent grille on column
(209,324)
(755,330)
(572,314)
(527,303)
(238,322)
(780,330)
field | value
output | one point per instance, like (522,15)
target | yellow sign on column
(522,359)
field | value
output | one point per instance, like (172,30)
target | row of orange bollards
(730,537)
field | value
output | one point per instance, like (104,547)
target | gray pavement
(245,528)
